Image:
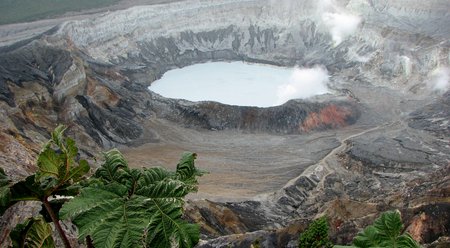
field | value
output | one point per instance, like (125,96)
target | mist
(304,83)
(339,23)
(440,79)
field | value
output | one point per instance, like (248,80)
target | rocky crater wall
(93,75)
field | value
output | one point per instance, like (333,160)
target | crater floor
(246,165)
(240,165)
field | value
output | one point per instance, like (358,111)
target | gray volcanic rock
(380,141)
(286,119)
(434,117)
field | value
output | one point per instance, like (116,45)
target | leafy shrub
(117,207)
(316,235)
(386,232)
(124,207)
(59,173)
(33,233)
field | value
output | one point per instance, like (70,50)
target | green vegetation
(117,207)
(256,244)
(316,235)
(58,173)
(123,207)
(33,233)
(13,11)
(386,232)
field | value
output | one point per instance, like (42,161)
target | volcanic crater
(362,148)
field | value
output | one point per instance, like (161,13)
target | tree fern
(123,207)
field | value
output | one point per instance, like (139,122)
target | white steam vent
(303,83)
(439,79)
(340,23)
(243,84)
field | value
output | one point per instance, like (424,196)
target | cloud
(440,79)
(303,83)
(340,25)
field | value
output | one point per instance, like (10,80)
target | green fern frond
(155,174)
(130,207)
(120,224)
(406,240)
(167,229)
(389,225)
(384,233)
(186,170)
(369,237)
(114,169)
(165,189)
(93,206)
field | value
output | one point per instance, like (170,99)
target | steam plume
(440,79)
(339,23)
(303,83)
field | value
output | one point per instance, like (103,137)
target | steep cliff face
(282,32)
(375,143)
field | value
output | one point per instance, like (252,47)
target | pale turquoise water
(239,83)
